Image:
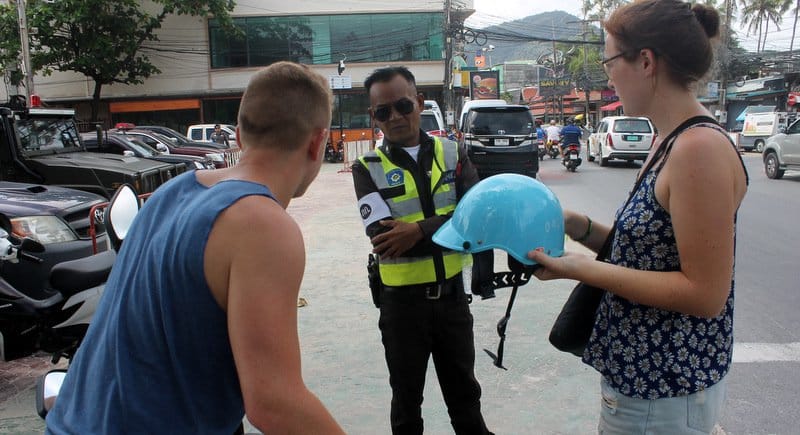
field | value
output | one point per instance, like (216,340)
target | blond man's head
(283,105)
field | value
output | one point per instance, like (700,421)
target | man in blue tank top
(199,317)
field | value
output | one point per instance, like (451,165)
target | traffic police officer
(406,189)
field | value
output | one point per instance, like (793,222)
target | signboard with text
(549,87)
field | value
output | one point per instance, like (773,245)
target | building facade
(204,70)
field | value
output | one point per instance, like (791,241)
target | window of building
(325,39)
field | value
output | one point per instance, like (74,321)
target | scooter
(553,150)
(572,157)
(58,323)
(542,149)
(334,154)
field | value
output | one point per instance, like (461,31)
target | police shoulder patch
(395,177)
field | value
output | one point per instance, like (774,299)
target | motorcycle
(572,157)
(553,149)
(57,323)
(334,154)
(542,149)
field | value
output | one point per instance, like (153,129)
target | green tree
(102,39)
(600,9)
(10,44)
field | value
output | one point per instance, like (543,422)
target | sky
(492,12)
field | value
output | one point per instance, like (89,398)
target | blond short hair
(282,105)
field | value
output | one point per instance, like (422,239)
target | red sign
(794,98)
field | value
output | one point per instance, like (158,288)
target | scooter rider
(570,135)
(553,134)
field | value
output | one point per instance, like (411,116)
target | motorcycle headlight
(43,229)
(217,157)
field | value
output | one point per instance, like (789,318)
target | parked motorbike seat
(71,277)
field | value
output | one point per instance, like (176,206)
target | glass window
(632,126)
(326,39)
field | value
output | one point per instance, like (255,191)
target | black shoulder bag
(573,326)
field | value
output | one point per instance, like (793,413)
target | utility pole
(26,50)
(448,60)
(723,67)
(586,82)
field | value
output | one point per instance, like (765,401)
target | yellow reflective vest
(407,207)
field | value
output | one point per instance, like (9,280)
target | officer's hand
(401,237)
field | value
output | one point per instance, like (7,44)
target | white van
(758,127)
(202,132)
(476,103)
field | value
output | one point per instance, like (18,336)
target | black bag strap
(663,148)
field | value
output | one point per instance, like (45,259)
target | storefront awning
(612,106)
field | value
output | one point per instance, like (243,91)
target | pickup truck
(43,146)
(56,217)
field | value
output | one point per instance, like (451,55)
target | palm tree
(794,27)
(758,14)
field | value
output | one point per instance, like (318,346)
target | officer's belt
(433,291)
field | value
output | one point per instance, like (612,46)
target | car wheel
(771,167)
(603,160)
(760,146)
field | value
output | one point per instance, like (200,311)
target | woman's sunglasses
(403,106)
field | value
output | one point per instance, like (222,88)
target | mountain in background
(506,37)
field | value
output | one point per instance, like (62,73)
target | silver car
(621,137)
(782,151)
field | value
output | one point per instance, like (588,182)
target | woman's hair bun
(708,18)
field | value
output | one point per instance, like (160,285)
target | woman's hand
(564,267)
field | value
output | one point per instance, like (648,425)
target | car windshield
(141,148)
(500,121)
(632,126)
(47,134)
(429,123)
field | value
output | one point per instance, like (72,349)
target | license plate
(632,138)
(573,157)
(501,142)
(541,146)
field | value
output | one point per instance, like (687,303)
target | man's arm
(255,276)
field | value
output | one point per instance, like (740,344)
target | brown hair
(283,104)
(677,32)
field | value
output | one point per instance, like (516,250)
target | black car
(501,139)
(119,143)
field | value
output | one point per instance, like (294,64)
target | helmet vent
(466,246)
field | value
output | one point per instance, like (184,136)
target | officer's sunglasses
(403,106)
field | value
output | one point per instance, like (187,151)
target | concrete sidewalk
(544,391)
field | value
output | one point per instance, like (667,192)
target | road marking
(766,352)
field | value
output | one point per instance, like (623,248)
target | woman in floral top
(663,336)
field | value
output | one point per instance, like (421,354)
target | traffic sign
(340,82)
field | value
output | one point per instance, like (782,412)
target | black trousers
(412,330)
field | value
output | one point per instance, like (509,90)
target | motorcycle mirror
(47,388)
(120,213)
(30,245)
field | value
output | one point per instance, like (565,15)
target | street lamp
(488,49)
(340,70)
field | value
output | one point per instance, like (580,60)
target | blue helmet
(511,212)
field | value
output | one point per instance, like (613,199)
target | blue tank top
(157,358)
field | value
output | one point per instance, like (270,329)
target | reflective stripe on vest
(406,207)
